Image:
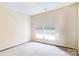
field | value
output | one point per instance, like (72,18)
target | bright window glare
(49,37)
(48,34)
(39,36)
(39,33)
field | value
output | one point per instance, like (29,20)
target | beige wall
(78,28)
(64,20)
(14,28)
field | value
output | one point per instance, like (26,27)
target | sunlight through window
(48,33)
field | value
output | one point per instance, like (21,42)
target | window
(39,32)
(44,32)
(49,33)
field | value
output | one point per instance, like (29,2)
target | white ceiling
(33,8)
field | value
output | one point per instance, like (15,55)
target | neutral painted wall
(14,28)
(78,28)
(64,20)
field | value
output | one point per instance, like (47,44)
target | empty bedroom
(39,29)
